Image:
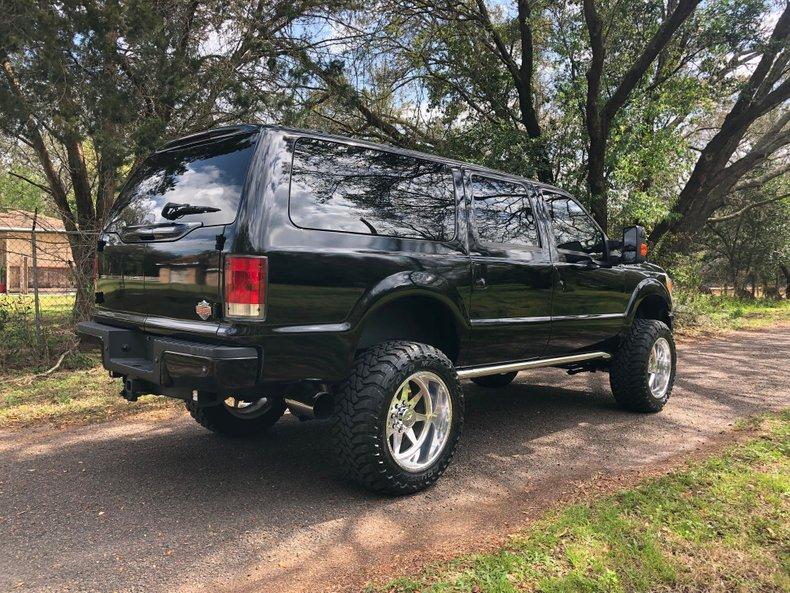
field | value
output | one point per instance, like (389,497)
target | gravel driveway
(165,507)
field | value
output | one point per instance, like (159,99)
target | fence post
(37,305)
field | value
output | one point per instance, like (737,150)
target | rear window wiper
(171,210)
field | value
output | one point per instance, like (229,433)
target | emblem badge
(203,309)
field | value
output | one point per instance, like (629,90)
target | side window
(503,213)
(337,187)
(573,228)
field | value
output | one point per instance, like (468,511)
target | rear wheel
(398,417)
(643,369)
(235,417)
(495,381)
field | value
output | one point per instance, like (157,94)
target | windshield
(209,175)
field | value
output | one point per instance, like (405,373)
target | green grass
(720,525)
(75,397)
(696,312)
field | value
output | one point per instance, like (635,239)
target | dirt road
(164,507)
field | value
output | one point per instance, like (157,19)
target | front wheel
(398,417)
(643,369)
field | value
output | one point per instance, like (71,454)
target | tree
(88,89)
(598,115)
(747,246)
(612,110)
(457,59)
(726,158)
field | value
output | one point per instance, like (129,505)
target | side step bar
(499,369)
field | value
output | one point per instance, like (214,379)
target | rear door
(162,252)
(512,273)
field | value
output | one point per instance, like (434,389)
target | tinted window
(503,213)
(574,230)
(337,187)
(210,174)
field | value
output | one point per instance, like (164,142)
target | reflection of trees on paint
(209,174)
(361,190)
(503,212)
(574,230)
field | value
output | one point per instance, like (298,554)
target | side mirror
(634,245)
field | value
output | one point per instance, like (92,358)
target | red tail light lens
(245,286)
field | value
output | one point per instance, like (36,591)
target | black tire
(361,411)
(629,375)
(495,381)
(220,420)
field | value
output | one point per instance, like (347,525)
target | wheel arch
(650,300)
(412,312)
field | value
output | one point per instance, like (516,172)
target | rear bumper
(165,366)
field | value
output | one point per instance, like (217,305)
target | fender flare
(648,287)
(409,284)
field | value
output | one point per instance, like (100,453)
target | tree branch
(649,53)
(31,182)
(745,209)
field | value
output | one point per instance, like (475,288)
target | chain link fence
(40,279)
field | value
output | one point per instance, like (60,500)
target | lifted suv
(254,269)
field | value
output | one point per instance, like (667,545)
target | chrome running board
(499,369)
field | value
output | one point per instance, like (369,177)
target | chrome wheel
(659,368)
(246,410)
(418,421)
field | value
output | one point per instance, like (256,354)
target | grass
(719,525)
(698,313)
(74,397)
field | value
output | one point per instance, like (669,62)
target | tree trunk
(597,183)
(84,267)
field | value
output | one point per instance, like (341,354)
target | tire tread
(628,373)
(355,425)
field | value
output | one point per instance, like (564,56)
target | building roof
(22,220)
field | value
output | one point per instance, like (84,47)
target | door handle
(480,282)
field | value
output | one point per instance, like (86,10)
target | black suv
(254,269)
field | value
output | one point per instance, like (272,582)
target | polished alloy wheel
(418,421)
(246,410)
(659,368)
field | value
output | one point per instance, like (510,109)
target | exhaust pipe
(321,408)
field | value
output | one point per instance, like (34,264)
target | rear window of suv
(341,187)
(208,174)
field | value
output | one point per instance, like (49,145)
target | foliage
(19,194)
(719,525)
(696,312)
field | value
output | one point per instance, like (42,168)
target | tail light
(245,286)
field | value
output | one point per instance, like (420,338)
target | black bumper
(165,366)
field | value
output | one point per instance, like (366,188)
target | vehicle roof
(249,128)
